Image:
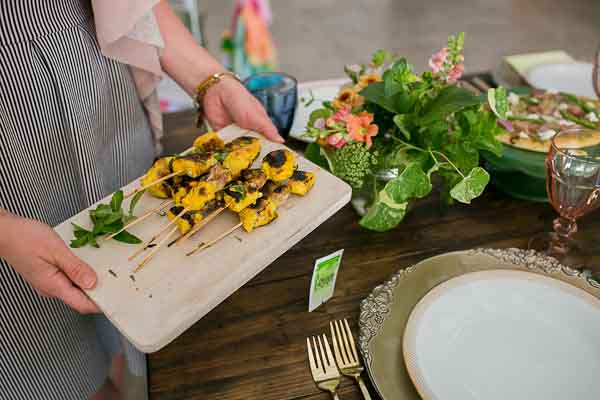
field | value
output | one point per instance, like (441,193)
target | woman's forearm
(182,58)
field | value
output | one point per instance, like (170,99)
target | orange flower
(348,97)
(367,79)
(360,128)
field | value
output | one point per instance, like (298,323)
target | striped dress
(72,130)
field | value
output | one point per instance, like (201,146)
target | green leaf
(114,217)
(127,237)
(101,212)
(375,93)
(78,231)
(379,57)
(498,101)
(399,121)
(471,186)
(389,208)
(134,202)
(450,99)
(79,241)
(117,200)
(313,153)
(462,155)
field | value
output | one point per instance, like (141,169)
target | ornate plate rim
(375,308)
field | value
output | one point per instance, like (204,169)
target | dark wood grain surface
(252,346)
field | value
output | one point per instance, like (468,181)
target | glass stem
(564,229)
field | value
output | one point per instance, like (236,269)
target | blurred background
(314,39)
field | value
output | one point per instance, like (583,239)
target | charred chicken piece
(184,223)
(261,213)
(239,196)
(159,169)
(209,142)
(194,165)
(301,182)
(254,178)
(279,165)
(199,196)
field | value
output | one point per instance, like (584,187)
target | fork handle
(363,387)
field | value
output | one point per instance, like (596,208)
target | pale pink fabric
(127,32)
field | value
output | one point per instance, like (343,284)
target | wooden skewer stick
(150,242)
(141,218)
(199,226)
(164,178)
(155,250)
(203,246)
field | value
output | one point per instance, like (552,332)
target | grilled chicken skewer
(261,213)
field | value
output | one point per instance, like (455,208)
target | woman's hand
(229,102)
(40,256)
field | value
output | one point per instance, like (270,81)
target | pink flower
(455,73)
(336,141)
(319,123)
(437,60)
(340,116)
(360,127)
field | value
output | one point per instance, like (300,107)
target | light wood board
(173,291)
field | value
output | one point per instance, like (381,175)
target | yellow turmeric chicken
(242,194)
(209,142)
(184,223)
(194,165)
(200,195)
(265,209)
(240,154)
(301,182)
(279,165)
(159,169)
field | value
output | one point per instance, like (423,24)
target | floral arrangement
(391,121)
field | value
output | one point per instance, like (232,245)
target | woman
(72,130)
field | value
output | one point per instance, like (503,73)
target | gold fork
(322,366)
(345,353)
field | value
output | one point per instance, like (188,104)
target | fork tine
(329,355)
(351,340)
(336,349)
(318,361)
(341,343)
(324,362)
(346,344)
(311,360)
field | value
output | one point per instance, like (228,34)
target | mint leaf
(471,186)
(117,200)
(79,241)
(134,202)
(127,237)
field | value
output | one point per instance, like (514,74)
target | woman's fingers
(260,122)
(61,287)
(79,272)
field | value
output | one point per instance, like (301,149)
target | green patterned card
(324,275)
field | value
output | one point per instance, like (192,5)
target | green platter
(518,173)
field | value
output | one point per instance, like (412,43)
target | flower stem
(449,161)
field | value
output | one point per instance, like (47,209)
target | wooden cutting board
(155,305)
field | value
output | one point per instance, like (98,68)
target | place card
(324,275)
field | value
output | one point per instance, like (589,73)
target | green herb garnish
(106,219)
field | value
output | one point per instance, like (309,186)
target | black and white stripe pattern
(72,130)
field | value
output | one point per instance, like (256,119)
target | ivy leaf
(116,201)
(471,186)
(399,121)
(127,237)
(498,101)
(389,208)
(134,202)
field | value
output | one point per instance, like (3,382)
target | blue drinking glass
(278,93)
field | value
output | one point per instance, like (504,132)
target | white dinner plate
(503,334)
(311,96)
(575,78)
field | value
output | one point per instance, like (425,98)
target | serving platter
(311,96)
(501,334)
(385,312)
(155,305)
(573,77)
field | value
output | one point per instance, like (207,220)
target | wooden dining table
(253,345)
